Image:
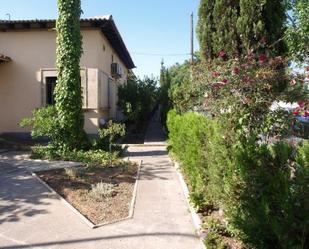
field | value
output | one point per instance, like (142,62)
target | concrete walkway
(32,217)
(155,134)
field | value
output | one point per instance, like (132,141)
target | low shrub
(199,144)
(214,241)
(90,157)
(101,190)
(265,201)
(261,188)
(109,134)
(187,137)
(73,173)
(42,122)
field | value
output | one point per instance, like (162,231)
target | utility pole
(192,37)
(9,16)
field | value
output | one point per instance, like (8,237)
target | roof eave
(97,22)
(4,58)
(125,55)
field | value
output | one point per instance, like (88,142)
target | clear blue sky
(147,26)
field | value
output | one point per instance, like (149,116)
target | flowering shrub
(242,90)
(226,154)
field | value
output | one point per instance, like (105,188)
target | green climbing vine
(68,92)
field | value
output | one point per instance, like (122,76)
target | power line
(155,54)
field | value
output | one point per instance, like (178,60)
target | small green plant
(109,134)
(214,241)
(73,173)
(44,152)
(89,158)
(101,190)
(213,224)
(42,122)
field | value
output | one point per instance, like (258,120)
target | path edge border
(196,220)
(89,223)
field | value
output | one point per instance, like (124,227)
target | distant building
(28,75)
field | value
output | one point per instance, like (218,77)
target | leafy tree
(68,92)
(179,73)
(297,34)
(165,84)
(137,98)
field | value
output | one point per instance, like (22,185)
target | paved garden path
(33,217)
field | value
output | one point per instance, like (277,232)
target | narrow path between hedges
(33,217)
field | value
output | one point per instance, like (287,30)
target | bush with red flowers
(242,90)
(234,155)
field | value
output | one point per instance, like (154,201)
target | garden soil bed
(76,191)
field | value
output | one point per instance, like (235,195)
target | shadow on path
(97,239)
(20,195)
(155,133)
(149,153)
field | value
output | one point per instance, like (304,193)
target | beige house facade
(28,75)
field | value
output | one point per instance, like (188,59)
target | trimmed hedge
(261,188)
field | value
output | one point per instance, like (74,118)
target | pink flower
(218,84)
(222,54)
(221,83)
(293,82)
(235,70)
(301,104)
(215,74)
(225,81)
(245,66)
(262,58)
(246,79)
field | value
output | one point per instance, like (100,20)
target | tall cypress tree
(205,28)
(260,25)
(162,74)
(225,14)
(238,26)
(68,92)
